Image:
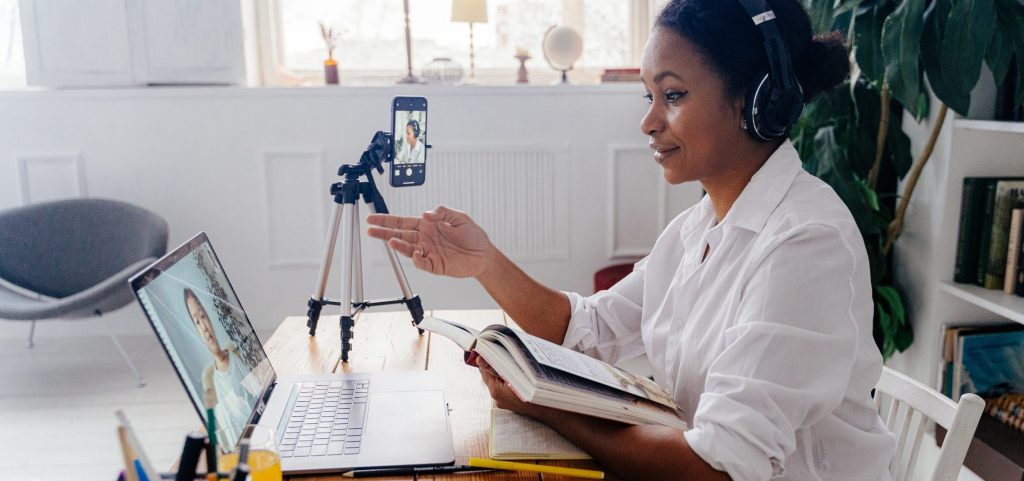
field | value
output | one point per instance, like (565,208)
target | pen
(536,468)
(369,473)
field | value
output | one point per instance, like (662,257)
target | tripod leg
(347,236)
(315,303)
(357,258)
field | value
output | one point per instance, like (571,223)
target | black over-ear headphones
(415,127)
(774,98)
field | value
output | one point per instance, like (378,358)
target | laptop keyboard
(326,418)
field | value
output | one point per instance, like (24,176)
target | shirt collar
(765,190)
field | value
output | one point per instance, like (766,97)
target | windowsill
(333,91)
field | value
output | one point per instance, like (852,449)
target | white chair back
(907,405)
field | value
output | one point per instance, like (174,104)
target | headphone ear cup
(754,108)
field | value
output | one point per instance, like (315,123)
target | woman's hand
(503,396)
(443,241)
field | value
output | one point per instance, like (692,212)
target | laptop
(323,422)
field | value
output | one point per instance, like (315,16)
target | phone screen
(409,126)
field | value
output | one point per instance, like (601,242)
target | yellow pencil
(535,468)
(127,454)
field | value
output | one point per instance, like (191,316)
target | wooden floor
(57,407)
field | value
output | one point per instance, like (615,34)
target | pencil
(126,452)
(536,468)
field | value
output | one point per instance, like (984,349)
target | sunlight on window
(12,55)
(373,33)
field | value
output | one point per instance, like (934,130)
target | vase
(442,71)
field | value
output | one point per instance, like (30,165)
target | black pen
(369,473)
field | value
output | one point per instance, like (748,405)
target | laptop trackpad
(406,412)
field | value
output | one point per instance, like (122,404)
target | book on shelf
(983,359)
(1008,409)
(620,75)
(984,249)
(1008,193)
(1013,247)
(966,268)
(543,373)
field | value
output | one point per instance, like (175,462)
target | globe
(562,47)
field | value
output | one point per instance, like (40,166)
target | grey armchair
(71,259)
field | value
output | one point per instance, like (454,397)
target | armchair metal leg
(142,380)
(32,335)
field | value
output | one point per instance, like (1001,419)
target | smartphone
(409,134)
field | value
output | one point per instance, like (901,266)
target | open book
(546,374)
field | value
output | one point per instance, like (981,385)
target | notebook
(518,437)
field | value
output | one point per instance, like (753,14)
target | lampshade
(469,11)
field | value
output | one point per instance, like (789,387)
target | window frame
(264,52)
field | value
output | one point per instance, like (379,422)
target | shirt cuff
(726,452)
(579,334)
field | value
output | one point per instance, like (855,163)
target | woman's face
(693,124)
(409,137)
(203,325)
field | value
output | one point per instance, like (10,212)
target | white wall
(561,177)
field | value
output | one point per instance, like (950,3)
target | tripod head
(380,150)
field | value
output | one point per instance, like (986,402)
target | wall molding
(615,249)
(293,206)
(74,176)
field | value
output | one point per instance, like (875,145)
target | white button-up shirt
(766,342)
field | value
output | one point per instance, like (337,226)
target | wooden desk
(386,341)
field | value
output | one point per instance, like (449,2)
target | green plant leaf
(1000,52)
(863,130)
(1014,16)
(901,47)
(967,36)
(939,79)
(897,143)
(821,13)
(833,168)
(867,39)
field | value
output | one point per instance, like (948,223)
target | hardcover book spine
(986,231)
(1007,193)
(966,267)
(1012,250)
(1019,284)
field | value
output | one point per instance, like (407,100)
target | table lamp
(470,11)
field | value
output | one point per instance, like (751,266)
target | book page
(462,335)
(519,437)
(558,357)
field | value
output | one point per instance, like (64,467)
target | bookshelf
(989,126)
(924,262)
(997,302)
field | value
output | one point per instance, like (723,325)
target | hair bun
(824,64)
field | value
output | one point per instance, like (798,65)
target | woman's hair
(730,42)
(191,295)
(415,127)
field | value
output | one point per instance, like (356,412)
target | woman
(233,403)
(754,306)
(412,152)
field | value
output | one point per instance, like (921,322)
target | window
(12,55)
(372,44)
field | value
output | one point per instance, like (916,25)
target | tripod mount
(346,217)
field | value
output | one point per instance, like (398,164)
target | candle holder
(521,76)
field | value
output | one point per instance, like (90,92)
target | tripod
(346,217)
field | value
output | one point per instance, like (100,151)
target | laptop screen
(203,328)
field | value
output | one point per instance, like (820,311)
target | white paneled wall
(561,178)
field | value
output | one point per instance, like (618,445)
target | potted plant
(852,137)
